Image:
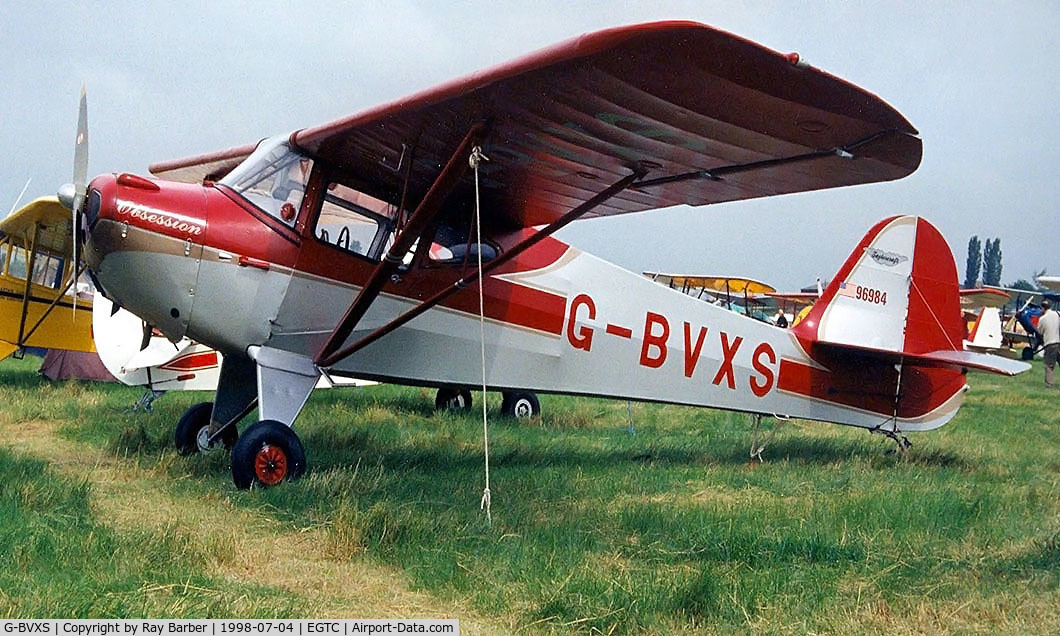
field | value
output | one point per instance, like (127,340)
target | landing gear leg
(237,394)
(269,452)
(756,448)
(896,435)
(147,400)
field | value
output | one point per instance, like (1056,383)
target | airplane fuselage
(204,262)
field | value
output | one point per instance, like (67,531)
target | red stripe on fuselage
(231,227)
(192,362)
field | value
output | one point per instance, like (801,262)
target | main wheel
(266,454)
(520,404)
(453,400)
(1027,354)
(193,431)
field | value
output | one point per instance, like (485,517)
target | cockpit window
(453,246)
(355,222)
(273,178)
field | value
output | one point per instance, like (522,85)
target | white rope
(474,160)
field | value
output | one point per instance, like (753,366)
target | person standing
(1049,328)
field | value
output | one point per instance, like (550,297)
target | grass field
(594,529)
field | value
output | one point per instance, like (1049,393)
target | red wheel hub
(270,465)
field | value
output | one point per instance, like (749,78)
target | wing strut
(717,174)
(73,279)
(407,235)
(31,263)
(508,255)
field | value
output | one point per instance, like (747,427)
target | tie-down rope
(474,159)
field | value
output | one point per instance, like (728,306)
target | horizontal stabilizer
(976,360)
(940,358)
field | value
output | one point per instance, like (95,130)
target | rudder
(896,293)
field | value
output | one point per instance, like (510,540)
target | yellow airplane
(723,288)
(38,306)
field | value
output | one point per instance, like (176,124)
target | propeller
(72,195)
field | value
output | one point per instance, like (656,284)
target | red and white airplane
(351,248)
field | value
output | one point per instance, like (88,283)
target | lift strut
(415,226)
(508,255)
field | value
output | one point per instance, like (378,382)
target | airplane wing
(707,116)
(717,284)
(797,298)
(984,297)
(52,219)
(1050,282)
(1023,295)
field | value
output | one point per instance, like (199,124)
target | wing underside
(702,115)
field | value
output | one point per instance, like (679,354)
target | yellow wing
(37,306)
(727,285)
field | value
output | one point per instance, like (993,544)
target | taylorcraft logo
(890,259)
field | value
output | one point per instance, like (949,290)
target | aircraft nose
(143,241)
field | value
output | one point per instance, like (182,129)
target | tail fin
(897,296)
(985,333)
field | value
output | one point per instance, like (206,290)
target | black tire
(191,431)
(266,454)
(520,404)
(453,400)
(1027,354)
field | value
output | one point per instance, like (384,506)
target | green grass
(594,529)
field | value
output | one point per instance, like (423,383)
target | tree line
(985,259)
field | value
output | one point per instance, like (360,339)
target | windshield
(273,178)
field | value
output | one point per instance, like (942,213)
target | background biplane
(38,292)
(1021,324)
(1049,282)
(982,315)
(312,253)
(741,294)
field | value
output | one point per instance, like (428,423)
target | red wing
(202,168)
(984,297)
(709,116)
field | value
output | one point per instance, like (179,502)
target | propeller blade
(80,180)
(81,145)
(146,340)
(80,167)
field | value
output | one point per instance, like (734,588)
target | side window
(47,270)
(279,188)
(17,266)
(354,221)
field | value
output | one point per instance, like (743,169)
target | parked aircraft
(1021,327)
(38,302)
(356,247)
(722,289)
(1051,283)
(982,315)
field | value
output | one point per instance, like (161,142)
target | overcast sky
(980,80)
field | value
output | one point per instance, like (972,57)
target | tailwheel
(266,454)
(192,434)
(520,404)
(453,400)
